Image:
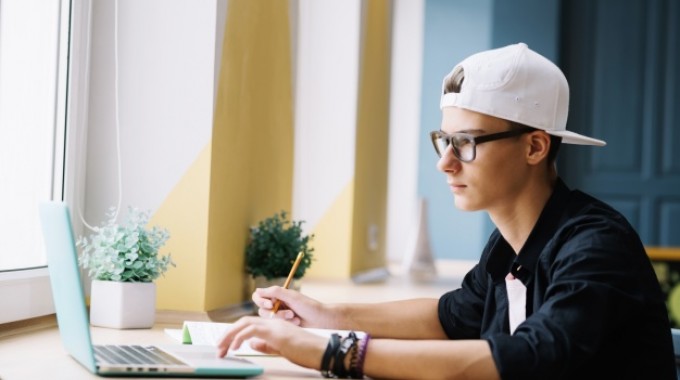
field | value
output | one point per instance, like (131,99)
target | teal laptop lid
(67,291)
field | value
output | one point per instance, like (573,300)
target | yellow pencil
(287,283)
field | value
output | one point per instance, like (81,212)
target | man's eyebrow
(471,131)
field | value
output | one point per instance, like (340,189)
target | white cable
(80,130)
(116,101)
(115,54)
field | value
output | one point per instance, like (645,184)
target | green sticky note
(186,336)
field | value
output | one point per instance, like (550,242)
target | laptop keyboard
(129,354)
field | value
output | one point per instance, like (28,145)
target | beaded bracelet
(356,369)
(353,361)
(333,344)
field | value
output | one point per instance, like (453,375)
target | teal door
(622,60)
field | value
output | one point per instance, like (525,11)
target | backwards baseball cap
(517,84)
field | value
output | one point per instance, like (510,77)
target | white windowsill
(25,294)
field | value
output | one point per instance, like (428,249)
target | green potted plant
(273,247)
(123,261)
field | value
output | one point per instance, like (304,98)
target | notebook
(115,360)
(210,334)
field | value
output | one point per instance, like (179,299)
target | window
(34,46)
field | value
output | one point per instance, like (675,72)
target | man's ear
(538,147)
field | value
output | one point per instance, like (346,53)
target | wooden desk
(39,354)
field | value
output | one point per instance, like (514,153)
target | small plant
(125,253)
(274,244)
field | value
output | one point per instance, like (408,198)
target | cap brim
(569,137)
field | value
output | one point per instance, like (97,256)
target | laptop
(116,360)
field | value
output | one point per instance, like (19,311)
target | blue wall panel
(453,30)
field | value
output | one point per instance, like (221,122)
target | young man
(563,288)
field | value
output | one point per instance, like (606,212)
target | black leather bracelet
(347,344)
(331,348)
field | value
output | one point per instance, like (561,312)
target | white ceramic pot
(123,305)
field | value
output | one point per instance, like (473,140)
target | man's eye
(461,141)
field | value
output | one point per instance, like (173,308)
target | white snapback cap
(517,84)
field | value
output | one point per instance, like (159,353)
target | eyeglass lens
(463,146)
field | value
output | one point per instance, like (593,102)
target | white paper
(211,333)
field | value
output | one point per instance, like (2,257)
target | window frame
(27,293)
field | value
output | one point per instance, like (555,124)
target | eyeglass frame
(475,140)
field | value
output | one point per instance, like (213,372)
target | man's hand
(275,336)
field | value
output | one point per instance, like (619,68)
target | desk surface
(40,354)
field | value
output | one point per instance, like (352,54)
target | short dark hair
(454,82)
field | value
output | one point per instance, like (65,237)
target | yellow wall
(185,214)
(252,155)
(341,239)
(245,174)
(370,199)
(333,239)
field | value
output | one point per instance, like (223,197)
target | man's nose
(448,162)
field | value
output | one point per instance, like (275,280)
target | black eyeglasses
(464,144)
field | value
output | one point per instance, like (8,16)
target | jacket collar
(502,259)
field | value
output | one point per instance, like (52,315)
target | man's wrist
(335,316)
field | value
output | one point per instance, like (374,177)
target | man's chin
(464,205)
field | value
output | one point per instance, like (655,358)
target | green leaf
(127,252)
(273,246)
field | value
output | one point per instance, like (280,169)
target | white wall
(167,66)
(407,47)
(326,88)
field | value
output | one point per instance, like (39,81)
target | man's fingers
(223,346)
(287,315)
(264,297)
(296,321)
(242,335)
(227,341)
(246,328)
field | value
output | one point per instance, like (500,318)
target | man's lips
(456,186)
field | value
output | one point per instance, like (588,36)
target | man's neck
(516,219)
